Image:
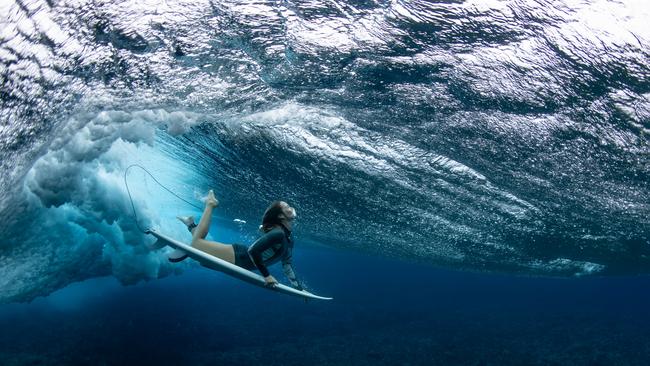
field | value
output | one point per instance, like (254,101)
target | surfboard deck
(230,269)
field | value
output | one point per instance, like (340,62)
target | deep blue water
(385,312)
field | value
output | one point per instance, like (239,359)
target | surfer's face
(288,211)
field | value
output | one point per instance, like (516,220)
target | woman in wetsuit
(275,245)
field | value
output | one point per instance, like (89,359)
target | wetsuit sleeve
(287,268)
(265,242)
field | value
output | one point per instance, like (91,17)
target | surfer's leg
(202,236)
(219,250)
(201,230)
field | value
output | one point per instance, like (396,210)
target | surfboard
(228,268)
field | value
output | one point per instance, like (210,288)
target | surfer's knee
(197,243)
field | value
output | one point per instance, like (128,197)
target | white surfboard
(229,268)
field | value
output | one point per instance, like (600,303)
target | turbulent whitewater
(507,136)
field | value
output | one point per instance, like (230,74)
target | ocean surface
(471,180)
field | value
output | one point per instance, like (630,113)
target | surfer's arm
(262,244)
(287,268)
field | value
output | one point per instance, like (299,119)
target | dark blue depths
(384,313)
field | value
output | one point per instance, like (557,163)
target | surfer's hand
(270,281)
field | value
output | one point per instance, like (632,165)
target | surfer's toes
(188,221)
(211,199)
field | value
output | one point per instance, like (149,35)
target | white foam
(567,266)
(74,221)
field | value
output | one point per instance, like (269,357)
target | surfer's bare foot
(211,200)
(188,221)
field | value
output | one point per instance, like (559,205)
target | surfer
(275,245)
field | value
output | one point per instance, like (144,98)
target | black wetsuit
(273,246)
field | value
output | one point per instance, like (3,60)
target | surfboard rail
(230,269)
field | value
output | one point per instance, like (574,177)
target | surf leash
(126,183)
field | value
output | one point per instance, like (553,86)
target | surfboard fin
(177,256)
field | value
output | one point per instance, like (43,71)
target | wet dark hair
(273,216)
